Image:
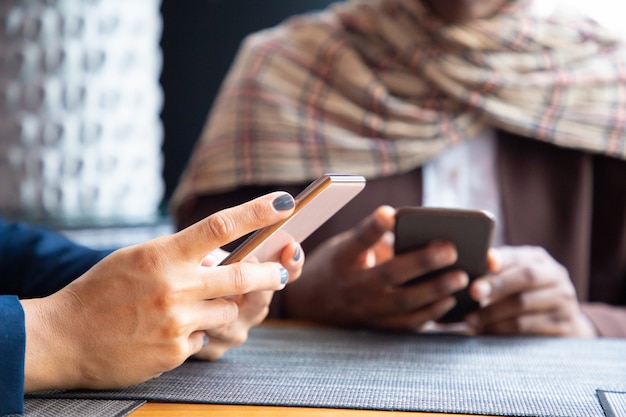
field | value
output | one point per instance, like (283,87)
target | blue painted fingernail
(284,202)
(296,257)
(205,341)
(284,276)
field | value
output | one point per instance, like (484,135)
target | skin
(354,280)
(528,292)
(145,309)
(371,290)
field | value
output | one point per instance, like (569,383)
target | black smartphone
(471,231)
(314,205)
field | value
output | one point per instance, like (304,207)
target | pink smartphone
(470,231)
(314,206)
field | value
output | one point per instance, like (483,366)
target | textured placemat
(34,407)
(437,373)
(614,403)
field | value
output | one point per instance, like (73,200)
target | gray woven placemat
(334,368)
(34,407)
(613,403)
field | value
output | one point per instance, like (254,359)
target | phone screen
(314,206)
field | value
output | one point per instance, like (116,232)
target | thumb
(227,225)
(367,233)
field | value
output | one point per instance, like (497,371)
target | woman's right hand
(355,280)
(145,309)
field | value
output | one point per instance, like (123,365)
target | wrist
(50,357)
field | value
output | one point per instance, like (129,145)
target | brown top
(571,203)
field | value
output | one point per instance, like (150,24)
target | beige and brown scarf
(377,87)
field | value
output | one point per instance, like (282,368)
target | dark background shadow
(200,39)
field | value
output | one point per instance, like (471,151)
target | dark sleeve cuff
(609,321)
(12,352)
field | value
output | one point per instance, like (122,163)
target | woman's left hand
(528,292)
(253,306)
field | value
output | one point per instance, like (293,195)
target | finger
(254,308)
(408,266)
(367,234)
(528,302)
(198,340)
(408,299)
(415,321)
(519,272)
(493,261)
(240,278)
(542,324)
(214,314)
(227,225)
(213,351)
(292,259)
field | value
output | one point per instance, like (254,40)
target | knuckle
(386,277)
(437,257)
(166,295)
(239,338)
(530,274)
(523,301)
(230,311)
(219,224)
(148,260)
(261,213)
(240,279)
(539,252)
(446,284)
(172,329)
(568,293)
(560,270)
(403,303)
(436,310)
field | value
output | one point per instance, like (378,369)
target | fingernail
(205,341)
(483,288)
(284,276)
(296,257)
(284,202)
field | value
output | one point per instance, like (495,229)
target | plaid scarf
(377,87)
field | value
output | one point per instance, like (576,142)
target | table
(152,409)
(200,410)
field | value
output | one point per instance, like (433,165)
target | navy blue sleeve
(35,262)
(12,350)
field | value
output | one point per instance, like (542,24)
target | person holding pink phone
(511,106)
(75,318)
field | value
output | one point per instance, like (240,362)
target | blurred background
(101,102)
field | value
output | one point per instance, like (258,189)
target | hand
(253,307)
(145,309)
(354,280)
(528,293)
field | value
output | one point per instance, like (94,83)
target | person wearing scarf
(481,104)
